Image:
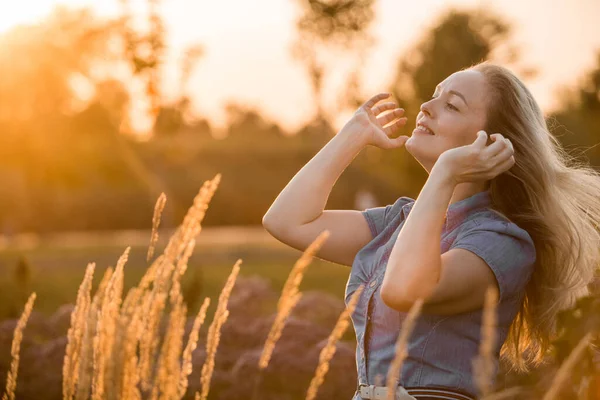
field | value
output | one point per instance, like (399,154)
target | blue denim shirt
(441,347)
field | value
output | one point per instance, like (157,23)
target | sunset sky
(248,57)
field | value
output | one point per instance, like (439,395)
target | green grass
(57,272)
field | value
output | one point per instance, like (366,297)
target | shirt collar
(457,211)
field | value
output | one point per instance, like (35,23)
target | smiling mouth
(422,129)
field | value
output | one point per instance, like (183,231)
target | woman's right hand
(370,125)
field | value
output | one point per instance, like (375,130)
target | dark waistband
(427,393)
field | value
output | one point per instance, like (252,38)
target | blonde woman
(503,205)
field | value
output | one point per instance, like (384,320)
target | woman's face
(455,114)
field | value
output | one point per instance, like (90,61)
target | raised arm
(297,215)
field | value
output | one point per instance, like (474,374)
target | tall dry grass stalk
(128,378)
(173,259)
(328,351)
(483,364)
(395,369)
(86,365)
(166,384)
(105,331)
(76,333)
(290,296)
(186,364)
(505,394)
(107,334)
(565,369)
(11,378)
(158,209)
(214,332)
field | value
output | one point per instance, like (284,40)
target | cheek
(457,132)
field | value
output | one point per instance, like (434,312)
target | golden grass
(395,369)
(186,364)
(158,209)
(115,350)
(75,334)
(563,372)
(483,364)
(328,351)
(11,379)
(105,331)
(504,394)
(290,296)
(214,332)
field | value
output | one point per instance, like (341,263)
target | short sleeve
(507,249)
(379,217)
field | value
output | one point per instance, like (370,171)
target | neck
(467,189)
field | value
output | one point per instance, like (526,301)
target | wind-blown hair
(556,199)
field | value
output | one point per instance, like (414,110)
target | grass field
(57,265)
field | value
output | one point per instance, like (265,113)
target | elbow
(270,224)
(266,222)
(395,298)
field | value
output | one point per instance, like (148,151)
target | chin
(416,151)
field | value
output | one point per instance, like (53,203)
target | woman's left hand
(477,162)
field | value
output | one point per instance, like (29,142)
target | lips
(425,128)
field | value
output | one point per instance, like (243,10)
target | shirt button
(373,283)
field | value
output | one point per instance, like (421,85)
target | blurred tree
(247,126)
(328,25)
(52,54)
(577,122)
(144,49)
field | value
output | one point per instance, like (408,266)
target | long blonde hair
(556,199)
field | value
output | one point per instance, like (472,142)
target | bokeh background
(106,105)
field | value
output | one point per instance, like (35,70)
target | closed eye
(452,107)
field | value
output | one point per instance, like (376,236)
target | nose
(425,109)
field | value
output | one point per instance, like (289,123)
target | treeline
(66,163)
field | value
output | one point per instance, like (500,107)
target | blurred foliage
(328,25)
(65,163)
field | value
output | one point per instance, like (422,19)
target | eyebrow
(455,93)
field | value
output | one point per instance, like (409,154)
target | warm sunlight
(149,146)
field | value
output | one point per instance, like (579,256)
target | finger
(501,157)
(394,126)
(498,145)
(371,102)
(398,142)
(384,119)
(510,144)
(378,109)
(506,165)
(480,140)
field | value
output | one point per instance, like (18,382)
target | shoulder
(379,217)
(506,247)
(492,221)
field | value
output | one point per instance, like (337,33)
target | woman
(507,210)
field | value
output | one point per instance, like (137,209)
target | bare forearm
(305,196)
(414,266)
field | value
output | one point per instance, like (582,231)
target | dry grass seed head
(483,364)
(289,298)
(328,351)
(395,369)
(158,209)
(186,363)
(214,331)
(11,378)
(76,333)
